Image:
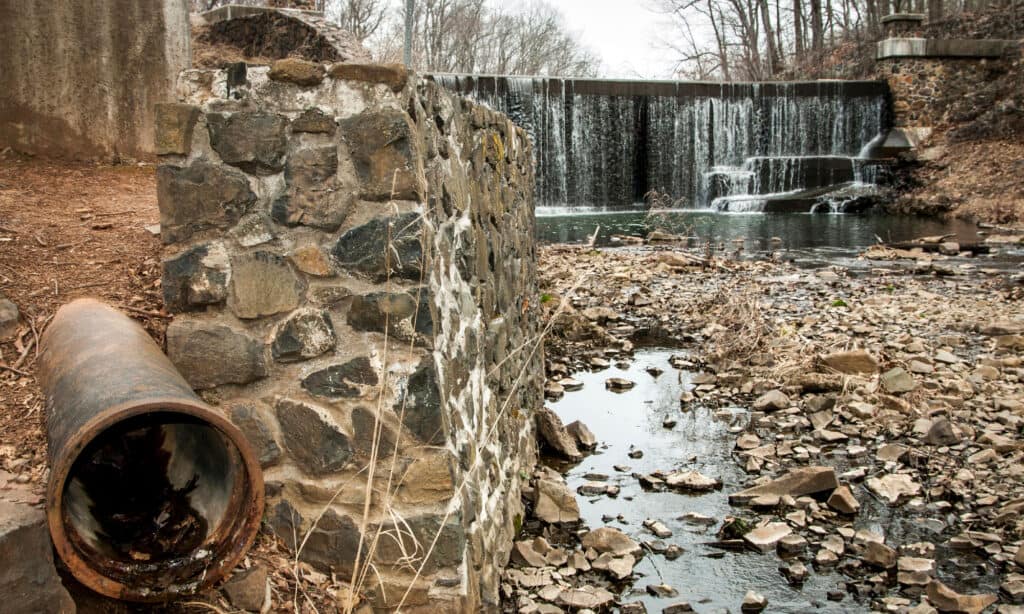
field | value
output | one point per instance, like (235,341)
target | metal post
(407,56)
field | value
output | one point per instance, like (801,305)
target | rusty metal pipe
(152,495)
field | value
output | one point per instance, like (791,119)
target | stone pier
(350,260)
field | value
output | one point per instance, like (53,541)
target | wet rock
(254,142)
(585,597)
(792,544)
(210,354)
(262,284)
(948,600)
(307,333)
(297,71)
(914,571)
(658,528)
(554,435)
(753,602)
(879,555)
(312,437)
(618,384)
(765,538)
(29,583)
(620,567)
(248,590)
(796,483)
(897,381)
(612,541)
(691,481)
(555,503)
(851,362)
(585,440)
(893,486)
(796,573)
(843,501)
(677,608)
(662,590)
(772,400)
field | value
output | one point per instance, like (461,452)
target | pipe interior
(150,500)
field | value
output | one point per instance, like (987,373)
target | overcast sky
(626,34)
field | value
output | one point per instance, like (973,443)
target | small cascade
(733,146)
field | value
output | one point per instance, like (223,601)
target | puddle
(700,440)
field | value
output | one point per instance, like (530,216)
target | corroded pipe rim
(221,566)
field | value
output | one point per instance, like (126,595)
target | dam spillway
(607,143)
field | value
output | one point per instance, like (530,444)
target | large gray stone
(28,579)
(396,312)
(305,334)
(254,142)
(197,277)
(200,197)
(554,502)
(342,381)
(209,353)
(251,422)
(314,196)
(365,249)
(384,151)
(312,437)
(262,284)
(420,404)
(554,435)
(796,483)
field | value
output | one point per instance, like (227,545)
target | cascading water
(732,146)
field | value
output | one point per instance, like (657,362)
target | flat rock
(692,480)
(948,600)
(765,538)
(893,486)
(843,501)
(585,597)
(611,540)
(897,381)
(554,502)
(851,362)
(796,483)
(772,400)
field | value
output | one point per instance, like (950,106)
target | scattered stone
(796,573)
(555,436)
(843,501)
(891,452)
(948,600)
(851,362)
(611,540)
(619,567)
(897,381)
(585,597)
(941,433)
(658,528)
(662,590)
(585,440)
(765,538)
(555,503)
(618,384)
(893,486)
(692,481)
(772,400)
(796,483)
(248,590)
(754,602)
(879,555)
(677,608)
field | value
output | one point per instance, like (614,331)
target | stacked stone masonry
(350,259)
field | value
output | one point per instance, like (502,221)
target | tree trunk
(769,36)
(798,28)
(816,32)
(935,10)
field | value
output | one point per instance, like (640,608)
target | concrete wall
(350,255)
(80,78)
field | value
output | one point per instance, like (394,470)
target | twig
(145,312)
(13,370)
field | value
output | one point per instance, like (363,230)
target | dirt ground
(67,230)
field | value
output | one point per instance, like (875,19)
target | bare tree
(363,18)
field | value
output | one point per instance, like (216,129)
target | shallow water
(701,440)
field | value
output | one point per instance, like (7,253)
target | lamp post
(407,54)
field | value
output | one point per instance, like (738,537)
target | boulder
(200,197)
(796,483)
(584,438)
(554,435)
(554,502)
(28,580)
(851,362)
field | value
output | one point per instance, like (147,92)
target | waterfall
(606,144)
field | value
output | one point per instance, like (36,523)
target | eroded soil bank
(890,394)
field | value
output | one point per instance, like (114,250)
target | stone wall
(937,91)
(82,81)
(350,257)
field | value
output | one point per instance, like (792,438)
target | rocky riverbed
(830,439)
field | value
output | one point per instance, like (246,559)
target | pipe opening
(154,501)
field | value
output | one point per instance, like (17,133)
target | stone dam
(608,143)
